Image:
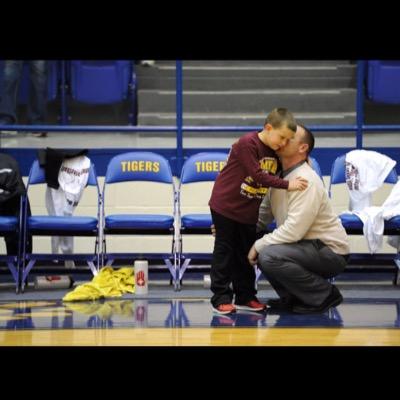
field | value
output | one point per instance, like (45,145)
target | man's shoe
(252,305)
(280,304)
(224,308)
(333,300)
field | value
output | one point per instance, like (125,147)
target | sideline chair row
(179,215)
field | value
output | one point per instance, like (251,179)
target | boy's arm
(248,157)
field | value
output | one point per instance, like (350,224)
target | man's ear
(303,148)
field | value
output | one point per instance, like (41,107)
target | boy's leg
(243,273)
(223,257)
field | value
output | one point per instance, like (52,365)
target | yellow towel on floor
(107,283)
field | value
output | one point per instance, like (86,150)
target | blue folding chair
(147,187)
(196,182)
(316,167)
(353,224)
(46,225)
(103,82)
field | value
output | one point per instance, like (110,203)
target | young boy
(234,203)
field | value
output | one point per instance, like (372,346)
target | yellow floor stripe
(203,337)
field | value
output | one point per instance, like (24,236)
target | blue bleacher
(100,81)
(383,81)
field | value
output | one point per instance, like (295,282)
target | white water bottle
(141,268)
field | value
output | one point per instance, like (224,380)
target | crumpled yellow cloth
(107,283)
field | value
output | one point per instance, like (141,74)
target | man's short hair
(279,117)
(307,138)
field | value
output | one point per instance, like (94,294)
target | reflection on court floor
(173,313)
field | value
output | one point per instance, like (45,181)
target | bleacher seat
(101,81)
(383,81)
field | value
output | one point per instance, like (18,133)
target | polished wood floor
(203,337)
(190,322)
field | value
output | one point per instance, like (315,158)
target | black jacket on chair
(12,187)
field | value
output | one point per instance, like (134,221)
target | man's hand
(253,256)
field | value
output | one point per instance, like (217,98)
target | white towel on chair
(373,219)
(366,171)
(73,177)
(391,208)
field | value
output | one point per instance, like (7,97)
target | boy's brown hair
(279,117)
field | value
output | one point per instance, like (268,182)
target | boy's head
(280,127)
(300,146)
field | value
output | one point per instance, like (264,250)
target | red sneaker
(224,308)
(252,305)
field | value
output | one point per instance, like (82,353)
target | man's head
(279,127)
(300,146)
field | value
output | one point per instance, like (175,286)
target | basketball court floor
(369,316)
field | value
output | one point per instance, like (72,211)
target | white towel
(365,172)
(373,220)
(391,208)
(73,177)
